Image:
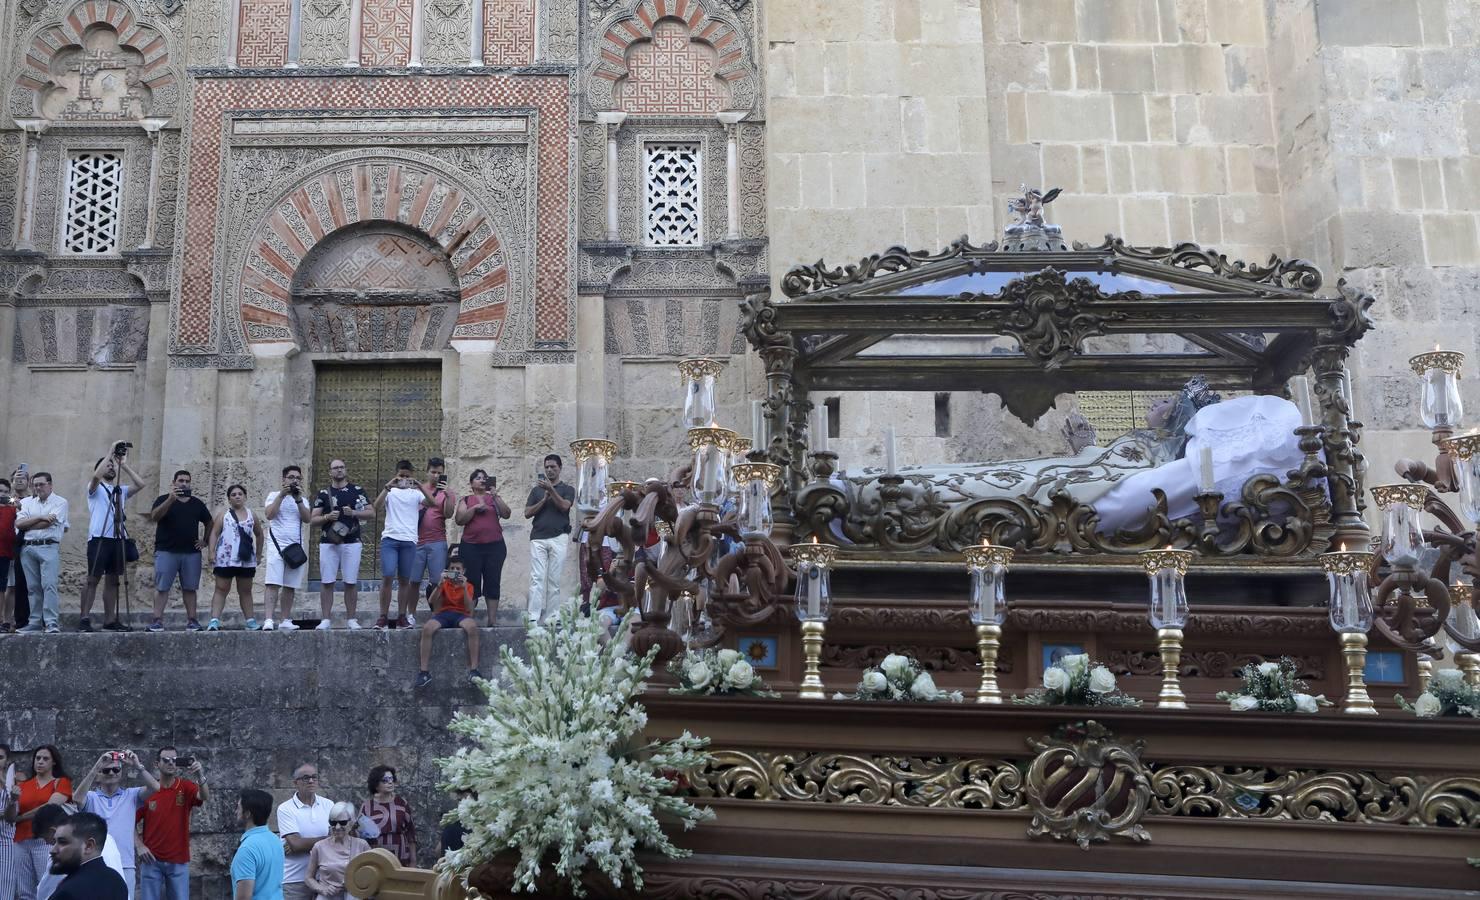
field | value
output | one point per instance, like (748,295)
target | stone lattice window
(94,202)
(672,213)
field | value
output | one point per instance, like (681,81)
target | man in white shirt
(42,522)
(106,533)
(287,512)
(303,820)
(401,499)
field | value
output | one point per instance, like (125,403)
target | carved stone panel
(325,33)
(446,24)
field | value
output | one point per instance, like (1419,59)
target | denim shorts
(169,566)
(397,559)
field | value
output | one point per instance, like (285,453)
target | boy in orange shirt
(453,602)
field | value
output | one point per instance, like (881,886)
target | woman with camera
(330,856)
(482,548)
(235,536)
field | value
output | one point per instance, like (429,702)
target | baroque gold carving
(1446,360)
(1086,786)
(1412,495)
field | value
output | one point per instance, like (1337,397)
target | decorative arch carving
(709,43)
(98,63)
(421,201)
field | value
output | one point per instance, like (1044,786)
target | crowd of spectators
(123,830)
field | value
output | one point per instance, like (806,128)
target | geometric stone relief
(324,33)
(10,163)
(560,23)
(57,150)
(385,33)
(592,171)
(85,314)
(672,57)
(262,33)
(672,195)
(632,174)
(445,40)
(94,201)
(508,32)
(99,63)
(752,177)
(673,326)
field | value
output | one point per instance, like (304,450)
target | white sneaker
(287,625)
(268,625)
(354,624)
(322,626)
(410,620)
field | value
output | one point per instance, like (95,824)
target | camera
(185,491)
(121,449)
(296,490)
(115,756)
(185,762)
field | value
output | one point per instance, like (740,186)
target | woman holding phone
(482,549)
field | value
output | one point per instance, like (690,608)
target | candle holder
(756,482)
(593,464)
(699,408)
(1402,535)
(711,478)
(615,489)
(1167,570)
(1462,450)
(1425,666)
(1440,405)
(1465,626)
(1351,618)
(739,449)
(824,464)
(1208,505)
(814,603)
(987,566)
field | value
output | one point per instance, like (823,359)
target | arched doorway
(374,287)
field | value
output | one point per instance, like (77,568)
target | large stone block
(1240,119)
(1046,20)
(1377,238)
(913,179)
(829,20)
(1236,22)
(824,124)
(1363,22)
(1067,117)
(1450,239)
(1119,21)
(1127,69)
(1130,117)
(1189,69)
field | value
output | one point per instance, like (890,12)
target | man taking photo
(106,534)
(287,512)
(164,851)
(338,511)
(181,524)
(117,805)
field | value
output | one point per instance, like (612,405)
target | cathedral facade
(246,233)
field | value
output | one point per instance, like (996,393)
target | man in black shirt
(178,518)
(549,506)
(78,854)
(338,511)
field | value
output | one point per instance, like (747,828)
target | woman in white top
(235,538)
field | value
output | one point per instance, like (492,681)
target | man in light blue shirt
(117,805)
(257,867)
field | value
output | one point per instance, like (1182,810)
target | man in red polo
(164,852)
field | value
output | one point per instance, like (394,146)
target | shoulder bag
(293,555)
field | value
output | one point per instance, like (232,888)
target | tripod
(119,540)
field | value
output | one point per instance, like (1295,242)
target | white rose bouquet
(1077,681)
(1273,687)
(1448,695)
(899,677)
(559,769)
(707,672)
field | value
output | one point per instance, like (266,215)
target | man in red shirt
(164,851)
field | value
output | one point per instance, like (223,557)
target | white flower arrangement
(1448,695)
(559,769)
(706,672)
(1077,681)
(1273,687)
(899,677)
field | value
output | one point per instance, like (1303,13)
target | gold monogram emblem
(1087,786)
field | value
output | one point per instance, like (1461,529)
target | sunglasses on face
(338,823)
(111,770)
(167,760)
(388,779)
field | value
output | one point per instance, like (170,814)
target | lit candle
(757,424)
(1302,397)
(819,443)
(1205,481)
(889,466)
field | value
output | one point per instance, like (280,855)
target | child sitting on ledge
(452,601)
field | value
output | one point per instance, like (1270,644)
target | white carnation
(1243,703)
(1449,677)
(895,666)
(1101,681)
(728,658)
(874,681)
(1075,662)
(924,687)
(1305,703)
(739,675)
(1427,705)
(699,674)
(1055,679)
(1268,668)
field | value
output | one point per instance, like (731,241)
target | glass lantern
(756,482)
(814,581)
(1402,535)
(699,404)
(1439,371)
(711,478)
(1167,570)
(1347,572)
(739,450)
(987,566)
(593,462)
(1463,449)
(681,622)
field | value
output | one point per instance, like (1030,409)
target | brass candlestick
(987,566)
(1469,663)
(1425,671)
(811,686)
(1354,651)
(988,643)
(1169,642)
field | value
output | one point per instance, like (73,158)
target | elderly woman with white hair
(330,856)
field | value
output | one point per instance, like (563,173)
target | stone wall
(251,707)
